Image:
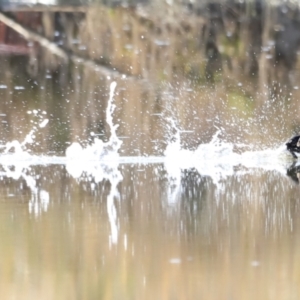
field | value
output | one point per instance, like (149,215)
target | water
(109,194)
(118,187)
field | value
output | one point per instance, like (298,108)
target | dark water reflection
(144,234)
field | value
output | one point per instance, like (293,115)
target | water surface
(193,196)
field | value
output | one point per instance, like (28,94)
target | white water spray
(99,150)
(100,161)
(218,159)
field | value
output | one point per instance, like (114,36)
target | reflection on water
(241,236)
(216,222)
(191,197)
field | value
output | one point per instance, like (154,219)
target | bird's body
(293,146)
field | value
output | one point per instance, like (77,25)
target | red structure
(12,42)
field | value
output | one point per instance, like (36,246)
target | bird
(294,172)
(293,146)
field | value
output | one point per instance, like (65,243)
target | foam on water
(100,161)
(218,160)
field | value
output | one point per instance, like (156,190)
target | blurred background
(230,65)
(140,230)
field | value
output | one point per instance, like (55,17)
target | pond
(124,189)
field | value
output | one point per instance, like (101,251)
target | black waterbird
(294,172)
(293,146)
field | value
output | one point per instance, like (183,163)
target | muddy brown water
(137,232)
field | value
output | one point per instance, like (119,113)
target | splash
(39,200)
(100,161)
(20,149)
(93,164)
(218,160)
(100,150)
(16,162)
